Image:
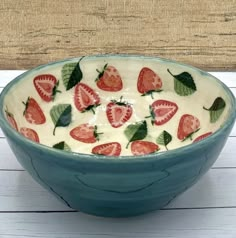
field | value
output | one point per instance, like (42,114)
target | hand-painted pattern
(216,109)
(46,86)
(188,125)
(33,112)
(109,149)
(118,112)
(161,111)
(61,115)
(201,137)
(85,133)
(183,83)
(164,139)
(85,98)
(30,134)
(109,79)
(171,121)
(140,147)
(148,82)
(71,74)
(11,119)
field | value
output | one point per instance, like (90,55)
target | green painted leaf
(71,74)
(216,109)
(61,115)
(184,84)
(62,146)
(164,139)
(137,131)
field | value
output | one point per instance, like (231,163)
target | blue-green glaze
(116,187)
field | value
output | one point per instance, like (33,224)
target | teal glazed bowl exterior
(132,183)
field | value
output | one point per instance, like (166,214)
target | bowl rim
(76,156)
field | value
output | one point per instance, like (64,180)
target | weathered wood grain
(202,33)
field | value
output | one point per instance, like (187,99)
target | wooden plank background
(199,32)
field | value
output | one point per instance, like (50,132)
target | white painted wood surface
(208,209)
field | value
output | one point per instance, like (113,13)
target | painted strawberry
(46,86)
(85,133)
(140,147)
(30,134)
(148,82)
(118,112)
(109,79)
(188,125)
(85,98)
(33,112)
(110,149)
(201,137)
(11,119)
(161,111)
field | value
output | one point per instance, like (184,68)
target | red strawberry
(11,120)
(162,111)
(118,112)
(33,112)
(85,98)
(30,134)
(188,125)
(110,149)
(201,137)
(140,147)
(46,86)
(109,79)
(148,82)
(85,133)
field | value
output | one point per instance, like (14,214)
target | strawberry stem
(100,73)
(150,92)
(205,108)
(120,102)
(26,105)
(166,147)
(105,67)
(81,59)
(8,113)
(54,130)
(96,134)
(190,136)
(152,115)
(55,90)
(91,107)
(170,72)
(92,110)
(127,145)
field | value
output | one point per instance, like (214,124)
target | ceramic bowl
(116,135)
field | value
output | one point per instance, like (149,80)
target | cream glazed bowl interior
(116,135)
